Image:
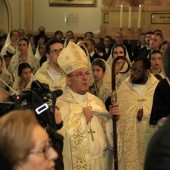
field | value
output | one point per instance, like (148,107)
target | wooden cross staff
(113,100)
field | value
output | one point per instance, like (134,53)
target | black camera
(42,101)
(39,99)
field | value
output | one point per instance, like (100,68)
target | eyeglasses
(81,75)
(44,150)
(136,70)
(55,51)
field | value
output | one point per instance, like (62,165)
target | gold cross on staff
(91,133)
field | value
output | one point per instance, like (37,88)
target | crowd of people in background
(14,49)
(57,62)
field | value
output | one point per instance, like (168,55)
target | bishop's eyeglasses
(80,75)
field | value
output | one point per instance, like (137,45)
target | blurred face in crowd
(139,75)
(59,36)
(31,40)
(55,50)
(119,38)
(97,72)
(156,61)
(142,39)
(147,38)
(26,74)
(69,34)
(42,50)
(22,46)
(82,78)
(41,40)
(155,41)
(42,156)
(15,36)
(88,35)
(107,42)
(118,51)
(90,46)
(21,33)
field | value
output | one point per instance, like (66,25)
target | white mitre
(72,58)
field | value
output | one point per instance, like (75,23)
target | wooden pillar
(28,15)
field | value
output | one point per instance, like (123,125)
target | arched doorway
(5,12)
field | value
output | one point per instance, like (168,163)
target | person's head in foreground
(24,144)
(74,63)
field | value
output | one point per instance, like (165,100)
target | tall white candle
(139,17)
(121,15)
(129,21)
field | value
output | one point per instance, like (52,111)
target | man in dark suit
(140,49)
(158,153)
(108,42)
(91,49)
(155,42)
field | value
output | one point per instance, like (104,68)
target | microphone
(57,92)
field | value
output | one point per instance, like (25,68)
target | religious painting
(73,3)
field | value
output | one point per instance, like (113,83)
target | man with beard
(135,97)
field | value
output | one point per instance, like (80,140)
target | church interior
(102,17)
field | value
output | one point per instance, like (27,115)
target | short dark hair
(89,32)
(149,32)
(23,66)
(157,31)
(100,47)
(146,62)
(51,42)
(58,32)
(160,35)
(92,41)
(154,52)
(107,36)
(143,33)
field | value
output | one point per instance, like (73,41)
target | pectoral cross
(91,133)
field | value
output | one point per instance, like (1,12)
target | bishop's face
(79,81)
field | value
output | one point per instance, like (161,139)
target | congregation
(82,68)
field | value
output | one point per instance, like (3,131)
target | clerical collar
(78,97)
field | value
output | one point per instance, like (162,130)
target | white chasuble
(83,150)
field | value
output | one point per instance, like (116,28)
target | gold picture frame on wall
(73,3)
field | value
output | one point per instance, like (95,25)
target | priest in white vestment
(135,97)
(86,123)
